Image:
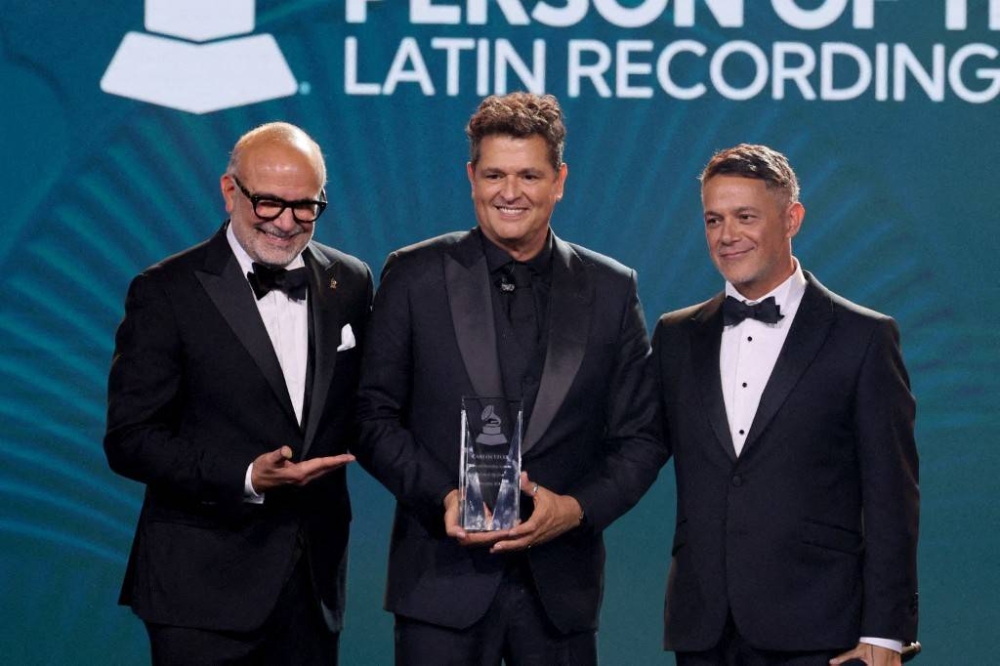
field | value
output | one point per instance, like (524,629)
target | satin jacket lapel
(231,294)
(568,322)
(325,308)
(806,337)
(467,281)
(706,340)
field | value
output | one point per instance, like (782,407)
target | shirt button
(744,384)
(749,338)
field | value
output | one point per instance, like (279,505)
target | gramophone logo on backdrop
(193,73)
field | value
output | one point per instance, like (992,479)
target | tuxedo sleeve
(145,400)
(387,448)
(884,412)
(633,449)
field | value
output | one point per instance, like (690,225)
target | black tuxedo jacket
(195,395)
(432,340)
(809,537)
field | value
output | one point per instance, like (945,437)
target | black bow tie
(734,311)
(266,278)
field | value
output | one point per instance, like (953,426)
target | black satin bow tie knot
(734,311)
(264,279)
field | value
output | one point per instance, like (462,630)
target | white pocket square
(347,340)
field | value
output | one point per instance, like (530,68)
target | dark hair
(519,115)
(754,161)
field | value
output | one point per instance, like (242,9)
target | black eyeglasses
(269,208)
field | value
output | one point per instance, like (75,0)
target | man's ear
(563,172)
(228,187)
(793,220)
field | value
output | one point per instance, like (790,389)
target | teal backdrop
(899,179)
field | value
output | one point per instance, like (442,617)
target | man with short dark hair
(231,398)
(790,419)
(507,309)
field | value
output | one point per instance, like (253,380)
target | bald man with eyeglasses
(231,397)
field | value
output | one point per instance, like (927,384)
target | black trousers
(515,631)
(295,633)
(733,650)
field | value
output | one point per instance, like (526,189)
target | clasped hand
(552,515)
(275,468)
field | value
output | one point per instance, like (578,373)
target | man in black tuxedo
(506,309)
(790,419)
(231,397)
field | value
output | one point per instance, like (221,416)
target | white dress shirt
(747,356)
(287,324)
(749,351)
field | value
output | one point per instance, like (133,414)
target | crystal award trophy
(490,464)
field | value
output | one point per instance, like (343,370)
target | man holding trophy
(504,359)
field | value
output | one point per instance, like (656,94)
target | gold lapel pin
(333,284)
